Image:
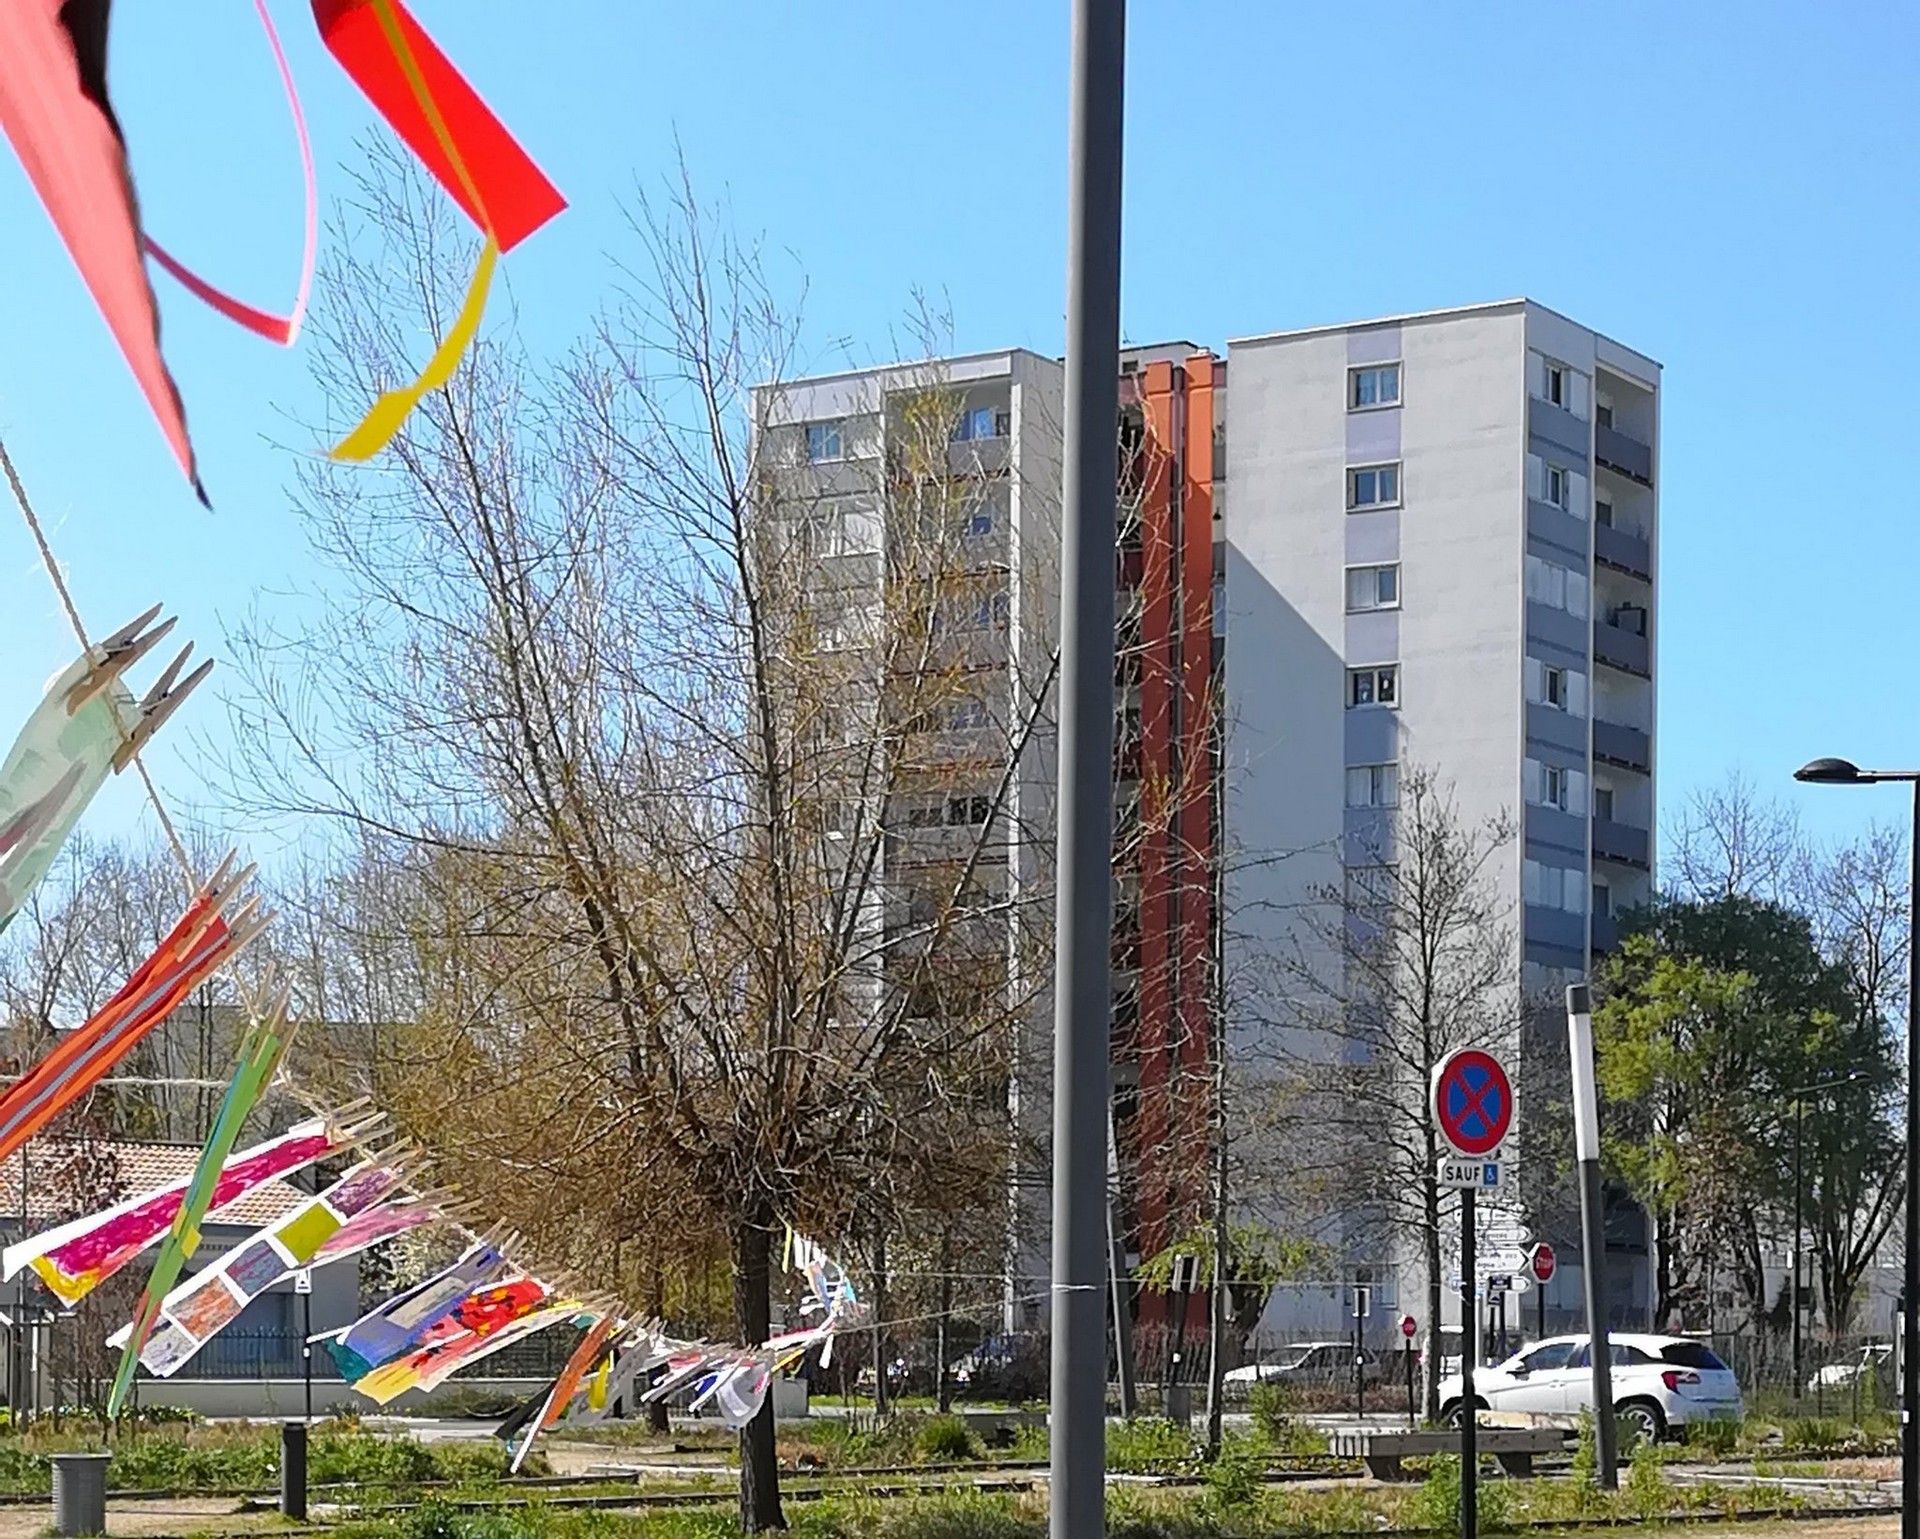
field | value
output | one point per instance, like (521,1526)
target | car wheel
(1451,1414)
(1643,1421)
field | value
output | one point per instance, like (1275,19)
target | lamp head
(1830,772)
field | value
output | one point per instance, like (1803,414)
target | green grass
(231,1457)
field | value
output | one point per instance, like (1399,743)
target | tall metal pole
(1082,983)
(1469,1354)
(1793,1287)
(1593,1233)
(1910,1306)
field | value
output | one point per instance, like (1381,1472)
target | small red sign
(1408,1326)
(1544,1262)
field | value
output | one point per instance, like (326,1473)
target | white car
(1873,1357)
(1309,1362)
(1659,1383)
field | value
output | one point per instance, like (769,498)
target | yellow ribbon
(375,430)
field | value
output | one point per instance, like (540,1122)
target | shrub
(1816,1434)
(1233,1479)
(1272,1408)
(1136,1447)
(962,1515)
(945,1439)
(1436,1505)
(1648,1492)
(1717,1437)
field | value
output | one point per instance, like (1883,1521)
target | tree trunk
(753,1319)
(1430,1243)
(942,1390)
(881,1399)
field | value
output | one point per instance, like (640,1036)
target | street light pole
(1083,995)
(1593,1229)
(1799,1118)
(1841,772)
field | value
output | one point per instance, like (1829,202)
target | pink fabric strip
(275,328)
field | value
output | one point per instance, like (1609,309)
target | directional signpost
(1473,1108)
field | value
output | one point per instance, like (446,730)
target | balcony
(1622,842)
(1621,648)
(1617,451)
(1627,747)
(1623,550)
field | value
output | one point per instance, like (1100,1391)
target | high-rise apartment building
(1428,541)
(1441,554)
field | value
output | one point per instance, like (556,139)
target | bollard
(79,1494)
(293,1470)
(1180,1404)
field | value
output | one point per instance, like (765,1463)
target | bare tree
(682,765)
(1412,958)
(1730,842)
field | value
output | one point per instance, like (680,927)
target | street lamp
(1839,772)
(1798,1094)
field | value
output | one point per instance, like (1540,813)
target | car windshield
(1690,1354)
(1295,1357)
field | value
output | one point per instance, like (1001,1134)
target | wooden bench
(1382,1448)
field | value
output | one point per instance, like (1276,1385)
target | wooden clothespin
(111,656)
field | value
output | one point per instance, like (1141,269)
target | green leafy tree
(1714,1016)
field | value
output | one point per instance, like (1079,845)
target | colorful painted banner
(401,1324)
(260,1053)
(466,148)
(198,1309)
(200,944)
(77,1257)
(81,732)
(585,1355)
(54,107)
(492,1319)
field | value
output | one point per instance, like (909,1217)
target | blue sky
(1728,188)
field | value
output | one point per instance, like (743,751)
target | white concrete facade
(1522,521)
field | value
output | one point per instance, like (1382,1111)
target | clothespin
(159,703)
(113,655)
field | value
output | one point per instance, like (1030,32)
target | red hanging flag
(515,197)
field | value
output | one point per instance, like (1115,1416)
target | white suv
(1659,1383)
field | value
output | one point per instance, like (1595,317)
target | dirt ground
(179,1515)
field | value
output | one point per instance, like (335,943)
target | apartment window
(1373,785)
(979,422)
(1602,900)
(962,810)
(1373,486)
(1556,688)
(1561,887)
(988,613)
(1603,803)
(840,529)
(1556,384)
(1603,408)
(1374,686)
(1603,510)
(979,523)
(824,441)
(1557,586)
(1374,384)
(1554,488)
(1372,587)
(1555,786)
(968,714)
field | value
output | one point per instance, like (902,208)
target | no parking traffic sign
(1473,1102)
